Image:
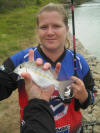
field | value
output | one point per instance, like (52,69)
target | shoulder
(79,57)
(21,56)
(82,61)
(22,52)
(82,64)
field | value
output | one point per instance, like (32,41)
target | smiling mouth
(51,39)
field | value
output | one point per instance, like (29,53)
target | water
(87,26)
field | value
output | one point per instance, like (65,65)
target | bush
(11,4)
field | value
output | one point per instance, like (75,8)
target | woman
(52,22)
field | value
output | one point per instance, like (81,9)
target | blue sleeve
(83,65)
(88,80)
(19,57)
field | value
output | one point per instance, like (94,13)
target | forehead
(50,16)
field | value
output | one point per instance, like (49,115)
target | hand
(79,90)
(34,91)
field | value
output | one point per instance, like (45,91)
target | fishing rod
(74,41)
(74,49)
(73,33)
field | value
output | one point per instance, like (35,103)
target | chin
(51,45)
(51,48)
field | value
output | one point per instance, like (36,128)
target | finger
(46,66)
(31,55)
(39,61)
(77,80)
(58,67)
(76,88)
(27,77)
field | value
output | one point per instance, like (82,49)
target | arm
(7,79)
(38,117)
(89,85)
(84,88)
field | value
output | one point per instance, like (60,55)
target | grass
(16,27)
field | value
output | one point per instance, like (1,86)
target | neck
(53,54)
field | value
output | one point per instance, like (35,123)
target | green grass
(17,29)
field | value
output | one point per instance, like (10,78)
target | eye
(57,26)
(44,27)
(20,66)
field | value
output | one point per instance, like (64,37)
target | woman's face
(52,30)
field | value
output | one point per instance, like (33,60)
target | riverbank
(92,114)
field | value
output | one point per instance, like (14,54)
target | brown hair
(55,7)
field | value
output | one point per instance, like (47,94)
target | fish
(43,78)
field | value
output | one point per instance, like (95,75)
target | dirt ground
(9,114)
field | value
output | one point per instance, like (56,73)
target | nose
(50,31)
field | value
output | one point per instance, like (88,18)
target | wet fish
(43,78)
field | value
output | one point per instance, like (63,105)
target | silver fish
(43,78)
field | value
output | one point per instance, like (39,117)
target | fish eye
(20,66)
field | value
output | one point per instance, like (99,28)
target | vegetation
(6,5)
(17,26)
